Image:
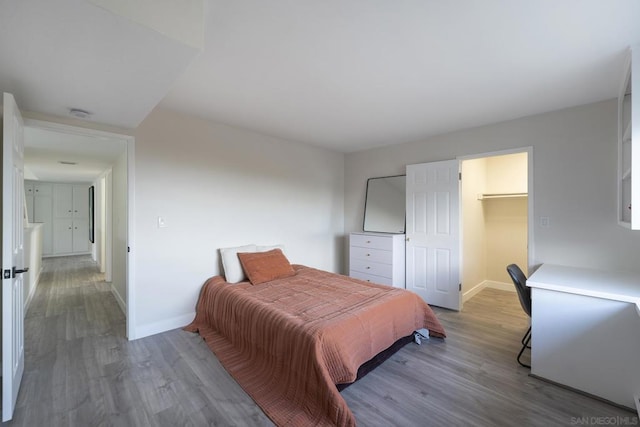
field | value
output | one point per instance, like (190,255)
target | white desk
(585,327)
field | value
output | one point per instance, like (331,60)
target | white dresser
(377,258)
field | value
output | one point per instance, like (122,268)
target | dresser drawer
(369,241)
(375,268)
(370,254)
(371,278)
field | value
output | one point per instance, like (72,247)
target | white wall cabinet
(628,151)
(378,258)
(39,203)
(28,198)
(71,218)
(71,200)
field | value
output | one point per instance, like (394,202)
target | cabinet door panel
(80,201)
(28,188)
(28,197)
(62,201)
(62,236)
(80,235)
(42,189)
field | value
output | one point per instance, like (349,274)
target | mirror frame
(366,200)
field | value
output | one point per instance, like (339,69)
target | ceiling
(45,150)
(63,54)
(342,74)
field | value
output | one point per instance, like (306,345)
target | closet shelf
(485,196)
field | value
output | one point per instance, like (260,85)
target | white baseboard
(119,299)
(473,291)
(487,284)
(500,285)
(164,325)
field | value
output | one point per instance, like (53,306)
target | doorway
(496,209)
(59,153)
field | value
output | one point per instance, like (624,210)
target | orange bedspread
(289,341)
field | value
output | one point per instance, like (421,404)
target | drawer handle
(368,268)
(368,254)
(368,241)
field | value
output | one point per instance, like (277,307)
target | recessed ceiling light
(78,113)
(64,162)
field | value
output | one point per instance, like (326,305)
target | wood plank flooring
(81,371)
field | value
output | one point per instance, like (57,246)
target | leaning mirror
(384,207)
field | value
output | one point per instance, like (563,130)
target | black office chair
(524,294)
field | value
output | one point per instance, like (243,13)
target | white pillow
(268,248)
(233,272)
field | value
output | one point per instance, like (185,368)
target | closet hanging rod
(500,195)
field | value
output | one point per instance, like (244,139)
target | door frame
(130,216)
(530,196)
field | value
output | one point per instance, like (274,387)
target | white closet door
(433,232)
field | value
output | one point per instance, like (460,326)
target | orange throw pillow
(263,267)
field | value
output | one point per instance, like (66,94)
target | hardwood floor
(81,371)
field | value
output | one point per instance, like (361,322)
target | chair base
(526,339)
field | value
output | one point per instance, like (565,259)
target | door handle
(15,271)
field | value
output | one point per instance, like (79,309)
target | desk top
(613,285)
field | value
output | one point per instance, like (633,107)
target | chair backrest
(520,281)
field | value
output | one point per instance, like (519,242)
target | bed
(290,339)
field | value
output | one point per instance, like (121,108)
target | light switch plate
(162,222)
(544,221)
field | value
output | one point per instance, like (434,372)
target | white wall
(119,230)
(507,173)
(506,218)
(506,234)
(474,254)
(218,186)
(574,172)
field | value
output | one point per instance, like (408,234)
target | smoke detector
(78,113)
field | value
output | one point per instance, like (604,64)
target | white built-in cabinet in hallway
(70,218)
(64,211)
(39,200)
